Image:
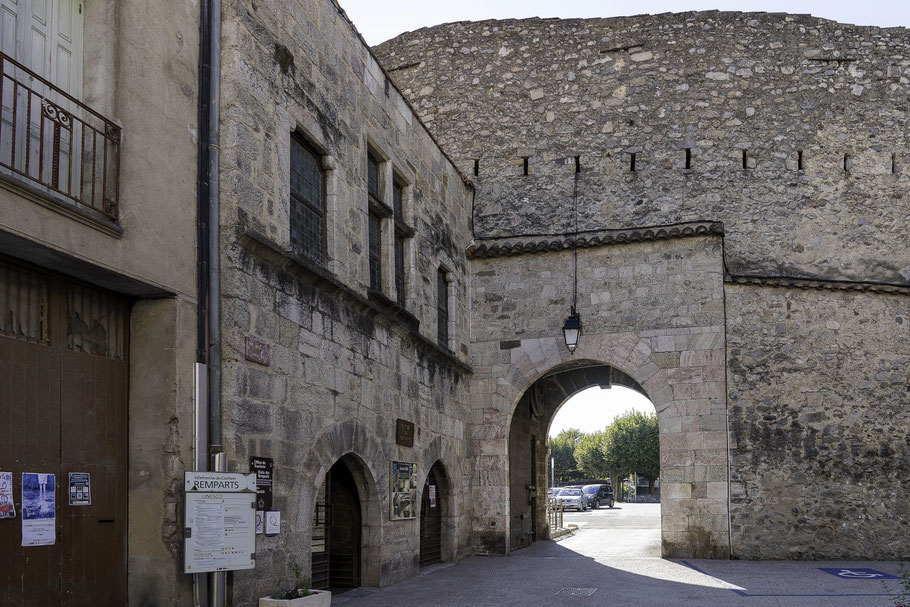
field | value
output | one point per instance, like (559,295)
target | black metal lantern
(571,329)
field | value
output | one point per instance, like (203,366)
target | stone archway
(353,444)
(528,441)
(673,369)
(441,454)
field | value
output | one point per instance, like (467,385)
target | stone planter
(319,598)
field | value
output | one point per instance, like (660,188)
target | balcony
(59,148)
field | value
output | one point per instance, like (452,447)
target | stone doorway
(337,530)
(432,515)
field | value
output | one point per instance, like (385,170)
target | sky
(378,20)
(594,409)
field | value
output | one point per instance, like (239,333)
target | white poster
(260,523)
(272,522)
(432,496)
(38,509)
(7,507)
(220,522)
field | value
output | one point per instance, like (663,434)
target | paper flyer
(80,492)
(38,509)
(7,507)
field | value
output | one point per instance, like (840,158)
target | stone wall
(653,310)
(790,130)
(818,388)
(346,361)
(801,97)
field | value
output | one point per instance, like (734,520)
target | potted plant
(301,595)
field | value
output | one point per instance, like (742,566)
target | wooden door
(431,521)
(63,390)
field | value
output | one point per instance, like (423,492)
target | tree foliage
(633,445)
(629,445)
(591,457)
(562,449)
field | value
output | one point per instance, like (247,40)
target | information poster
(262,467)
(272,522)
(38,509)
(404,490)
(7,506)
(260,522)
(220,521)
(432,496)
(80,491)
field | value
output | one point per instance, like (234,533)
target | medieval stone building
(399,234)
(734,188)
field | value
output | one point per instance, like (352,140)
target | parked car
(572,497)
(598,495)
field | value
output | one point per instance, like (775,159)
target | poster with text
(7,507)
(38,509)
(80,489)
(404,490)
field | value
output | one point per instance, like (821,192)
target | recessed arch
(691,416)
(440,453)
(352,443)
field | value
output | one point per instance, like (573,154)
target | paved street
(613,559)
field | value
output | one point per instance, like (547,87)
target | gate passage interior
(63,409)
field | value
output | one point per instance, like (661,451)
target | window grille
(307,201)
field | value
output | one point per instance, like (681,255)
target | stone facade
(346,360)
(789,130)
(653,310)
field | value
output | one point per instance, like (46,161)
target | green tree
(632,445)
(562,448)
(591,455)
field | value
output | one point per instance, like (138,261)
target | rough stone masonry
(791,132)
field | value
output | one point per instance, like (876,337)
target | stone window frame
(325,166)
(380,241)
(445,307)
(403,237)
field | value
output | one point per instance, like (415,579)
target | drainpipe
(218,580)
(214,286)
(208,590)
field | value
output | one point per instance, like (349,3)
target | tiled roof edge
(524,245)
(816,283)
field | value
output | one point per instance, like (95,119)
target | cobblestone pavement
(613,559)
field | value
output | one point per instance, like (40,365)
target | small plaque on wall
(257,351)
(404,433)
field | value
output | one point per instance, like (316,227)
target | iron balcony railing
(56,142)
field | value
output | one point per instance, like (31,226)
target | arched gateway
(658,328)
(528,433)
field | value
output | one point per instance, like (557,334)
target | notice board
(220,528)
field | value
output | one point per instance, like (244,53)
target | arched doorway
(432,514)
(337,530)
(528,442)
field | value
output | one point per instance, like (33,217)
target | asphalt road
(613,559)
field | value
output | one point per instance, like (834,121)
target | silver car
(572,497)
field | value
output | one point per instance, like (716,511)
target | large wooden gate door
(431,521)
(63,409)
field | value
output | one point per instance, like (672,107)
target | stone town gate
(788,129)
(651,309)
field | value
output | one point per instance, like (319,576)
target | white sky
(380,20)
(594,409)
